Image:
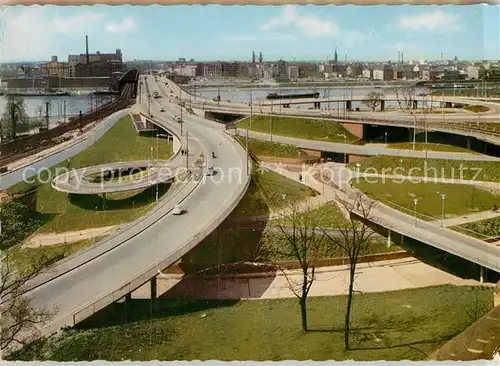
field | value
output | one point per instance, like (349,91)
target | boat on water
(452,86)
(292,96)
(38,94)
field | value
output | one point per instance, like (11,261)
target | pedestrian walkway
(403,273)
(68,237)
(465,219)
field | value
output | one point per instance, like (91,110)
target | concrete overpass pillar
(348,104)
(382,105)
(415,104)
(468,142)
(481,274)
(388,238)
(153,288)
(128,297)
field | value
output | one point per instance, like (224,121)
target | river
(237,95)
(35,105)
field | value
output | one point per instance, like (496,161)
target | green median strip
(310,129)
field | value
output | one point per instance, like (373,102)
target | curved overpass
(91,280)
(83,181)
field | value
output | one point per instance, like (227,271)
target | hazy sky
(232,32)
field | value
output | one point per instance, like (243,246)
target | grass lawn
(63,212)
(48,254)
(265,192)
(481,229)
(420,146)
(476,108)
(419,321)
(267,148)
(304,128)
(460,199)
(328,215)
(440,168)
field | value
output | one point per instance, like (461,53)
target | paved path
(67,237)
(473,217)
(330,281)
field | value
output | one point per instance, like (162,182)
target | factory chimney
(87,48)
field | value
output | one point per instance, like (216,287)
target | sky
(214,32)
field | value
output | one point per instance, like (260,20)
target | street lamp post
(271,122)
(443,196)
(414,131)
(248,153)
(187,152)
(251,109)
(415,202)
(157,161)
(345,143)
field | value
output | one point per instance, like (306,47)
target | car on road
(162,109)
(177,210)
(209,171)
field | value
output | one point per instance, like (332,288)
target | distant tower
(345,57)
(87,68)
(441,56)
(402,60)
(335,56)
(399,57)
(253,57)
(260,57)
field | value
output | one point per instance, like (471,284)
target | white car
(162,109)
(177,210)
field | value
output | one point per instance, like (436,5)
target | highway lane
(266,105)
(14,177)
(363,149)
(169,236)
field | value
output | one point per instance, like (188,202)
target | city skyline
(306,33)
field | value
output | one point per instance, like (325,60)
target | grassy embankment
(310,129)
(460,199)
(440,168)
(476,108)
(275,149)
(419,322)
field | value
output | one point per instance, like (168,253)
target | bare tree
(373,100)
(300,238)
(405,95)
(355,236)
(20,320)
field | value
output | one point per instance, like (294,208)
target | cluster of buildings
(77,66)
(286,71)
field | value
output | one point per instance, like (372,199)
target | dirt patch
(5,197)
